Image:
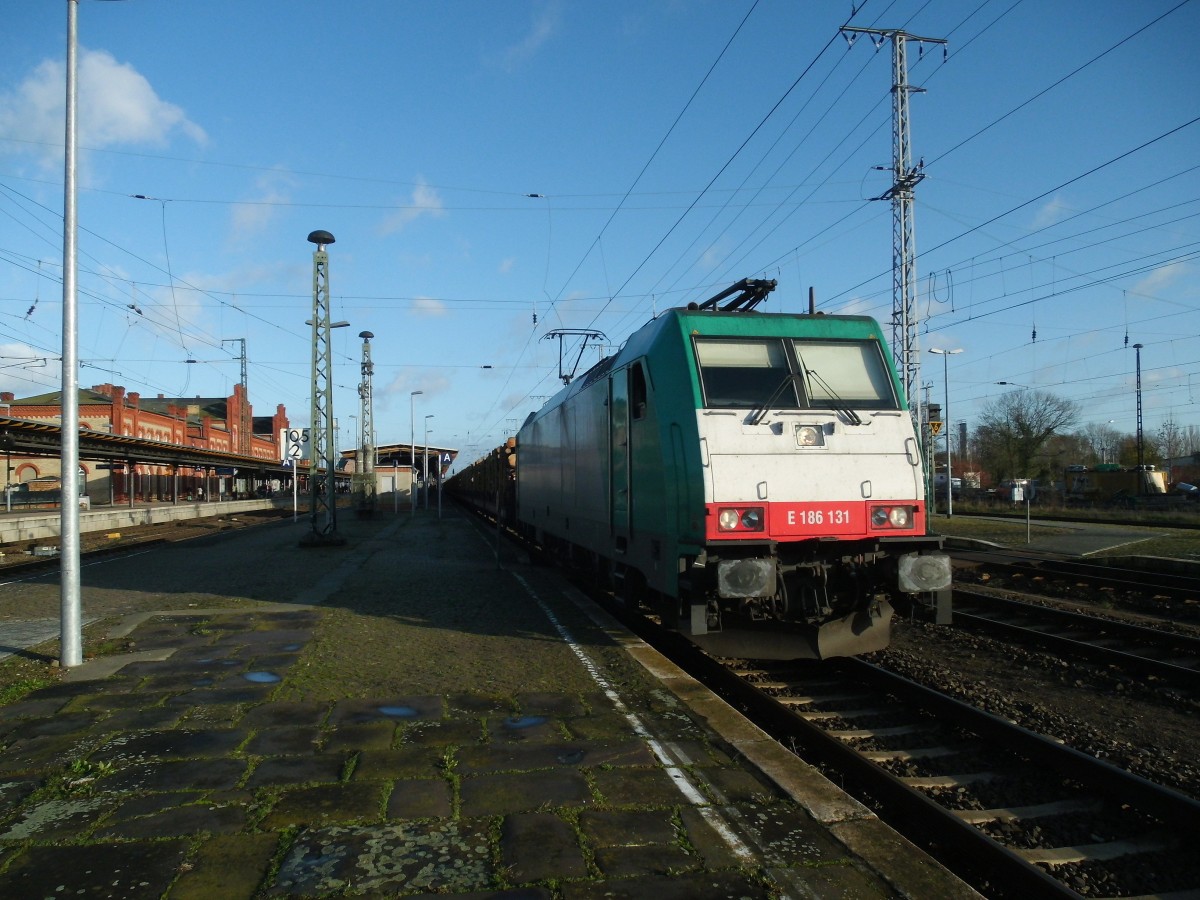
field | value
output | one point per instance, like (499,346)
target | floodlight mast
(321,473)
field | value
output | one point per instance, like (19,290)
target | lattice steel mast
(321,471)
(245,421)
(905,340)
(366,435)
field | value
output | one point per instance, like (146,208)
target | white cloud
(117,106)
(425,202)
(427,307)
(253,215)
(1051,212)
(1160,278)
(542,28)
(506,265)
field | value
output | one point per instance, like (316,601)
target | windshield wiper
(761,411)
(839,405)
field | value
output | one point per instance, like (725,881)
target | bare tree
(1015,427)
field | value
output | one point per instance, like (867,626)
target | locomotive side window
(637,391)
(744,372)
(846,373)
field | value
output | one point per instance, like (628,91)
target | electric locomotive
(755,479)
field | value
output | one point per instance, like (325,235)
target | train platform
(419,712)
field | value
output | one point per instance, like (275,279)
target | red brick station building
(224,424)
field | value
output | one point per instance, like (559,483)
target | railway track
(1012,811)
(34,555)
(1157,591)
(1106,641)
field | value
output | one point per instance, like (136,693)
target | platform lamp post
(321,473)
(945,355)
(425,462)
(412,451)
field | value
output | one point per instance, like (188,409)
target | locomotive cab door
(620,501)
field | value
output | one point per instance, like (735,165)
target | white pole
(71,630)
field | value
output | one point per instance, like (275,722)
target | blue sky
(672,148)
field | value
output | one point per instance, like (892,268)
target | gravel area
(1138,724)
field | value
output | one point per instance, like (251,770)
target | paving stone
(230,690)
(55,819)
(420,798)
(628,787)
(181,743)
(540,847)
(549,704)
(459,733)
(646,859)
(298,769)
(739,784)
(13,791)
(193,818)
(302,739)
(148,804)
(499,795)
(599,726)
(72,723)
(449,857)
(39,754)
(199,774)
(396,709)
(325,805)
(522,728)
(125,871)
(155,717)
(706,842)
(212,715)
(628,828)
(714,886)
(477,704)
(406,762)
(33,707)
(227,867)
(361,736)
(701,754)
(501,757)
(119,701)
(273,662)
(272,714)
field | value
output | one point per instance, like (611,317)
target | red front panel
(789,521)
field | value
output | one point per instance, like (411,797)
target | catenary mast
(905,340)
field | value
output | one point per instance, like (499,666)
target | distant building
(205,423)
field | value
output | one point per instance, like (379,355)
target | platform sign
(294,443)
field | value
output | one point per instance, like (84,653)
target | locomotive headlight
(745,518)
(810,436)
(892,517)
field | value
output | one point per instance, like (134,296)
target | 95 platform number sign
(294,443)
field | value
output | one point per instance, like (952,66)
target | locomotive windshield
(748,372)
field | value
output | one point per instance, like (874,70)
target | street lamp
(425,461)
(945,355)
(412,451)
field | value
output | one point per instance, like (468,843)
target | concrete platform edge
(904,866)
